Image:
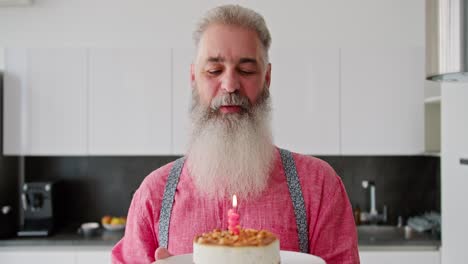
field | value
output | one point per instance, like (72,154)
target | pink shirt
(332,231)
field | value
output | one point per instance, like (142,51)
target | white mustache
(233,99)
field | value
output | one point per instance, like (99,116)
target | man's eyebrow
(241,60)
(248,60)
(215,59)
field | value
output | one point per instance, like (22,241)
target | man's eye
(246,72)
(214,72)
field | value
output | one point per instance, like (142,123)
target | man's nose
(230,82)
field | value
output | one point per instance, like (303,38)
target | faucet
(373,216)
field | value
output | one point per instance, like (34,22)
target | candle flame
(234,201)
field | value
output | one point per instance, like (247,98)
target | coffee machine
(40,207)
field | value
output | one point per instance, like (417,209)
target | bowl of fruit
(113,223)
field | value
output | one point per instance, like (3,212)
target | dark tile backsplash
(407,185)
(95,186)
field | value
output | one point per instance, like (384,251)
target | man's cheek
(207,101)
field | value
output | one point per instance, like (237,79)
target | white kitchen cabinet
(305,100)
(182,57)
(57,81)
(15,102)
(130,101)
(399,257)
(109,101)
(45,102)
(37,255)
(454,175)
(382,101)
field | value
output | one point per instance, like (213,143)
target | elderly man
(297,197)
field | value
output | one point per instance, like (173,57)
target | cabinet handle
(463,161)
(25,202)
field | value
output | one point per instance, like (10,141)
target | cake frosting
(249,246)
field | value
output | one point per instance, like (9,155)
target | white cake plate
(287,257)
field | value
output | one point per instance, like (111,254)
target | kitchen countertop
(66,238)
(374,237)
(417,241)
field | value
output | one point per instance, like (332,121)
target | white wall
(56,23)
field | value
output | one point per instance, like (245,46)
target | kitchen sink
(380,233)
(392,235)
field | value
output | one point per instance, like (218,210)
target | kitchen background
(96,96)
(95,186)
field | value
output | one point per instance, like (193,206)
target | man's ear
(268,76)
(192,75)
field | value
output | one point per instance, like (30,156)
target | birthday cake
(247,246)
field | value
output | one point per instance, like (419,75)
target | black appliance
(41,205)
(8,224)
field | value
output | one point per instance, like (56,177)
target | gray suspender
(294,190)
(297,199)
(168,200)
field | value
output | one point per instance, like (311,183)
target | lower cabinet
(55,254)
(399,257)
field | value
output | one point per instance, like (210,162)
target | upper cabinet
(57,81)
(15,102)
(88,101)
(45,102)
(306,86)
(305,100)
(129,101)
(382,101)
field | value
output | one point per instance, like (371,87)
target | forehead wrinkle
(218,58)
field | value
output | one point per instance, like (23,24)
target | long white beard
(233,153)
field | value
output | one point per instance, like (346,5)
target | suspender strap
(297,199)
(168,200)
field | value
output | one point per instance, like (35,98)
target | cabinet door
(15,102)
(58,122)
(382,94)
(454,178)
(182,98)
(305,99)
(129,101)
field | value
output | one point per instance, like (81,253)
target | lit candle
(233,217)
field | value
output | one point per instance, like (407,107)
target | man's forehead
(229,43)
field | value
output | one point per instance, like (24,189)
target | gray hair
(238,16)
